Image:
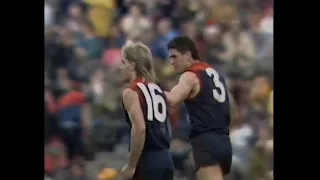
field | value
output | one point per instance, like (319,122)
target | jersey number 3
(154,101)
(219,96)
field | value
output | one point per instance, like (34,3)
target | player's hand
(127,172)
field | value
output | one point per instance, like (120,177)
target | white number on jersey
(154,102)
(220,97)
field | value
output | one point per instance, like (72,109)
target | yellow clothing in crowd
(100,14)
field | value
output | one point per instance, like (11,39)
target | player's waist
(157,159)
(194,132)
(163,155)
(155,149)
(156,144)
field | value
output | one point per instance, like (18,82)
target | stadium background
(82,48)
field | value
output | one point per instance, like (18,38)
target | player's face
(126,68)
(178,60)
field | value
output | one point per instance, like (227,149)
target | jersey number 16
(154,101)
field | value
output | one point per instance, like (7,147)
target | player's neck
(192,62)
(134,77)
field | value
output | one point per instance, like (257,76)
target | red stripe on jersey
(196,68)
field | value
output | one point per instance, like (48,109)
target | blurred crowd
(83,40)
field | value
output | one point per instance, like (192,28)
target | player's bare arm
(138,130)
(185,86)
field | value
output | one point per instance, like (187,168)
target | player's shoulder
(127,91)
(135,84)
(188,76)
(203,67)
(132,88)
(191,74)
(138,84)
(199,66)
(128,96)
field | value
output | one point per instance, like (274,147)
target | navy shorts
(156,165)
(212,149)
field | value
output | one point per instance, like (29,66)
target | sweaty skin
(138,131)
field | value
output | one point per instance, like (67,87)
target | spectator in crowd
(240,47)
(181,13)
(166,33)
(215,48)
(112,54)
(100,12)
(263,40)
(241,136)
(135,23)
(75,18)
(48,15)
(89,46)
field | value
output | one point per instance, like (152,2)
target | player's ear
(133,64)
(188,54)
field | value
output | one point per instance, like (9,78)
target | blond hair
(141,55)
